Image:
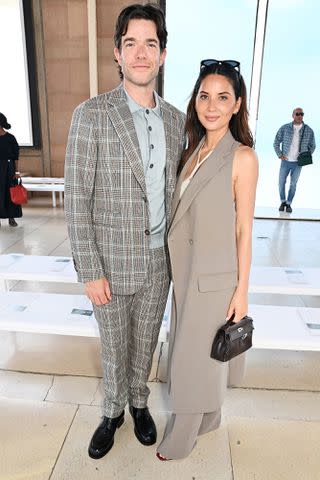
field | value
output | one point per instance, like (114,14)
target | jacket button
(190,241)
(147,232)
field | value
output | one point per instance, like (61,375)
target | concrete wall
(61,34)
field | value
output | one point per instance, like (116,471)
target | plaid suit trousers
(129,328)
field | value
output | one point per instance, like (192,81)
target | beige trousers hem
(182,430)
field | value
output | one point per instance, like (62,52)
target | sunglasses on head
(226,63)
(299,114)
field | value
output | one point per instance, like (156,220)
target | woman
(210,249)
(9,154)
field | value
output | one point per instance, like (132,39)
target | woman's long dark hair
(238,124)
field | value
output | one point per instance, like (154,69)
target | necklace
(196,165)
(199,162)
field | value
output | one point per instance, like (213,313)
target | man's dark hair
(149,11)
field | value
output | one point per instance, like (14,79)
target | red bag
(19,194)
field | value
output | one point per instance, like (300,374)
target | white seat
(47,187)
(286,328)
(283,328)
(40,268)
(43,180)
(275,326)
(285,280)
(52,313)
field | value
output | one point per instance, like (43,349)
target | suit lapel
(217,159)
(121,118)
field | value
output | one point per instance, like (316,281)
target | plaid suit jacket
(106,201)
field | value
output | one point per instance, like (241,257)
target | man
(121,164)
(294,137)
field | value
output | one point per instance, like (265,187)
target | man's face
(140,57)
(297,117)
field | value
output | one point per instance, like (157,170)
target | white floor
(50,386)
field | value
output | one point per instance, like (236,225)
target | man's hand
(98,291)
(283,157)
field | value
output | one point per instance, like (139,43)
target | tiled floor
(50,387)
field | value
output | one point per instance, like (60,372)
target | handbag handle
(230,321)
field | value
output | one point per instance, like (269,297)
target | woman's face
(216,103)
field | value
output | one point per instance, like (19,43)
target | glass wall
(14,82)
(206,29)
(290,75)
(290,79)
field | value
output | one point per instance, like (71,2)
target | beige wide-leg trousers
(182,430)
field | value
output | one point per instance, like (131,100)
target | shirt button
(147,111)
(191,241)
(150,128)
(147,232)
(151,165)
(152,146)
(145,199)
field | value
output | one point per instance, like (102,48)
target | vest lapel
(176,197)
(216,160)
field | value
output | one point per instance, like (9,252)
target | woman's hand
(238,305)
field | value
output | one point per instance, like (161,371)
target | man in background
(291,139)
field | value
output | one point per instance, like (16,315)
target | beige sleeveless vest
(202,246)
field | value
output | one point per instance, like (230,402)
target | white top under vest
(187,180)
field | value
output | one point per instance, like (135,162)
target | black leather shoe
(103,438)
(282,207)
(288,209)
(144,426)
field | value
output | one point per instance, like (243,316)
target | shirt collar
(135,107)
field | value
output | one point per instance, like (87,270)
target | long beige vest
(202,245)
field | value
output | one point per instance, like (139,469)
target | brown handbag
(232,339)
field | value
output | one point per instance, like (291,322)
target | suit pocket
(217,281)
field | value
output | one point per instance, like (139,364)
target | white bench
(54,314)
(46,184)
(286,328)
(49,319)
(275,326)
(54,180)
(285,280)
(16,266)
(281,280)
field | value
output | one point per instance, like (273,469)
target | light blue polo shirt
(149,127)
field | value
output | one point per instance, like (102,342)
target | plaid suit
(108,222)
(106,204)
